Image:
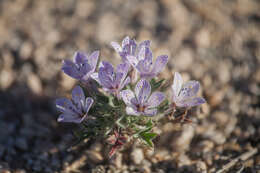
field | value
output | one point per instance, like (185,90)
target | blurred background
(216,42)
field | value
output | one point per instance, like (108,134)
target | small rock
(201,167)
(21,143)
(183,160)
(118,160)
(205,146)
(26,50)
(137,155)
(203,111)
(148,13)
(146,166)
(20,171)
(161,155)
(221,118)
(111,23)
(217,97)
(217,136)
(202,38)
(67,82)
(94,156)
(223,72)
(7,77)
(184,59)
(184,139)
(35,84)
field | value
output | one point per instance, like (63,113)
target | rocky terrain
(216,42)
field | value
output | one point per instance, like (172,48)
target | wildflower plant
(113,107)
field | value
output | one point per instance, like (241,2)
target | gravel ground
(216,42)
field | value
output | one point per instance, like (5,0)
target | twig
(242,157)
(241,169)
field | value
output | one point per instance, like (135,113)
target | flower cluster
(117,105)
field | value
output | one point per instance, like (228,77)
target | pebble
(34,84)
(217,97)
(137,155)
(7,77)
(21,143)
(182,143)
(106,27)
(94,156)
(221,118)
(25,51)
(201,167)
(183,160)
(184,59)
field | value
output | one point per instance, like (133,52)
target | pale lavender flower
(143,63)
(112,81)
(76,109)
(141,102)
(184,95)
(82,66)
(129,47)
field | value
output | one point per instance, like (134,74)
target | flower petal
(79,57)
(93,59)
(132,60)
(189,90)
(121,72)
(124,83)
(65,105)
(155,99)
(177,85)
(145,43)
(125,41)
(79,68)
(127,96)
(65,117)
(95,77)
(105,74)
(132,111)
(191,102)
(160,63)
(144,66)
(116,46)
(150,112)
(70,69)
(144,52)
(108,67)
(142,91)
(132,47)
(89,102)
(123,68)
(78,97)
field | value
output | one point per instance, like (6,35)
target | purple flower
(74,110)
(82,65)
(143,63)
(141,102)
(184,95)
(129,47)
(112,82)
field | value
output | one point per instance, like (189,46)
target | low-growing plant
(122,104)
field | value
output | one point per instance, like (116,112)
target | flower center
(140,108)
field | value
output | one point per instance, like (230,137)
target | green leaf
(148,137)
(155,85)
(163,106)
(145,134)
(118,122)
